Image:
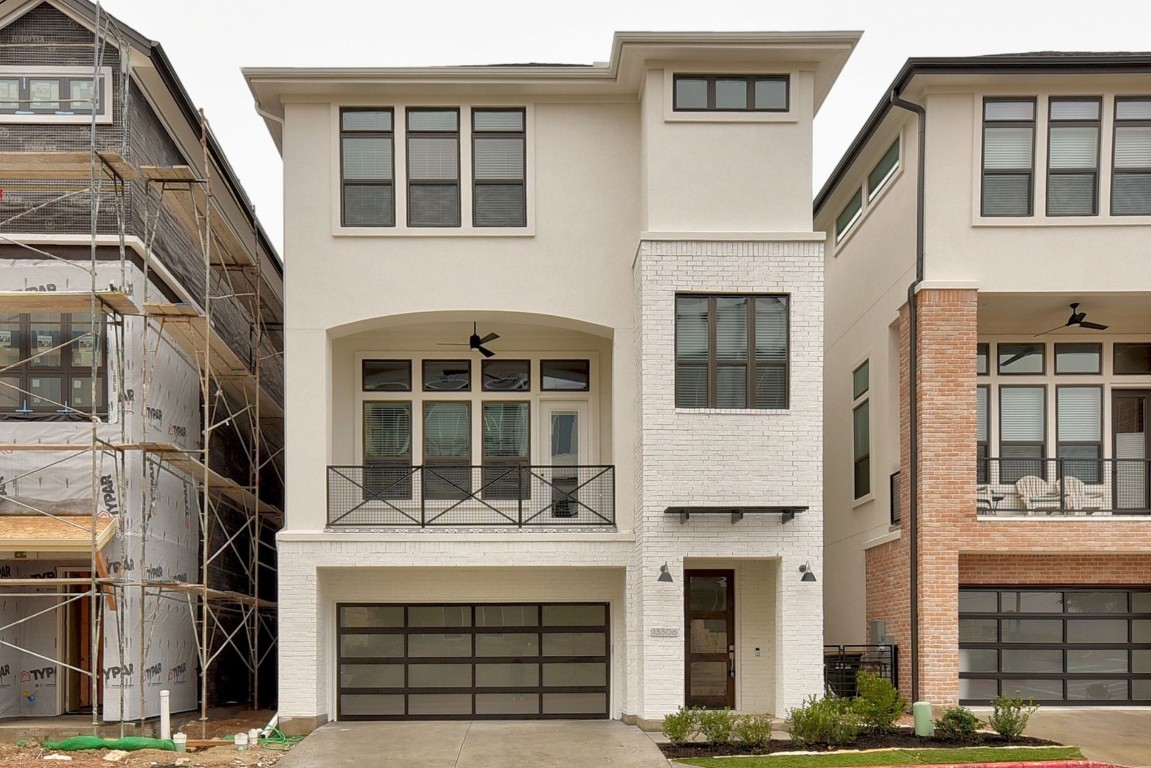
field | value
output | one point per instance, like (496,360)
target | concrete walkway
(1112,735)
(477,744)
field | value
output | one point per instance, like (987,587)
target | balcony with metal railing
(453,495)
(1013,487)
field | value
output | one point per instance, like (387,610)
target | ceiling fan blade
(489,337)
(451,344)
(1093,326)
(485,351)
(1044,333)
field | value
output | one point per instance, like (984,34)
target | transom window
(731,93)
(731,351)
(48,361)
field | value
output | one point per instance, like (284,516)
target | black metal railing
(895,486)
(493,495)
(1006,486)
(842,664)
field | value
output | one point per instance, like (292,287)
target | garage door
(1058,645)
(482,661)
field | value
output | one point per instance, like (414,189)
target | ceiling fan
(475,342)
(1077,318)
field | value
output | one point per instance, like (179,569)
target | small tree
(1009,716)
(877,701)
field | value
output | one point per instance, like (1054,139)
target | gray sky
(209,41)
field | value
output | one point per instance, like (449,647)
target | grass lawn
(891,757)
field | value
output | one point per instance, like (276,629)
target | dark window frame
(1042,359)
(984,172)
(499,479)
(545,360)
(842,229)
(1115,349)
(345,183)
(750,80)
(387,478)
(860,399)
(438,469)
(523,181)
(24,104)
(983,447)
(66,372)
(1055,357)
(425,362)
(1097,124)
(1118,123)
(1097,476)
(873,188)
(1041,460)
(983,349)
(365,362)
(411,182)
(751,362)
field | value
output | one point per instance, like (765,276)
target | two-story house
(140,384)
(554,338)
(988,375)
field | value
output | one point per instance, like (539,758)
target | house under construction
(140,385)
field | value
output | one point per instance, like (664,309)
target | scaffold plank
(62,165)
(66,301)
(216,482)
(47,533)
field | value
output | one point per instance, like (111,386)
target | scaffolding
(229,467)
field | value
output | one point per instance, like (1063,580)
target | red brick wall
(888,600)
(1070,569)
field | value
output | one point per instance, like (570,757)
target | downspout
(913,389)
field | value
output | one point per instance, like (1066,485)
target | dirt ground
(32,754)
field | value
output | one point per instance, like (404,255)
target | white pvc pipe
(165,716)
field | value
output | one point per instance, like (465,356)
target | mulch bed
(903,738)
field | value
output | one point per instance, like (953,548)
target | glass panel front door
(1130,409)
(566,450)
(709,608)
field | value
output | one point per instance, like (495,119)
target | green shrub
(717,726)
(957,724)
(877,702)
(830,721)
(681,725)
(753,730)
(1009,716)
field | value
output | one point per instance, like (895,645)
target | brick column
(947,435)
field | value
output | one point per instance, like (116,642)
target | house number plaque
(664,632)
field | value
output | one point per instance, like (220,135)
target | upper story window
(731,351)
(58,94)
(1008,156)
(850,214)
(732,93)
(1131,182)
(883,170)
(1073,157)
(368,168)
(47,361)
(433,167)
(861,429)
(498,168)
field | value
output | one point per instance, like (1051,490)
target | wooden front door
(709,632)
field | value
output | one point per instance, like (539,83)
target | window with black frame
(731,351)
(48,361)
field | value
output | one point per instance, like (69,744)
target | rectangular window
(69,93)
(499,158)
(1132,359)
(849,215)
(1079,432)
(1008,156)
(982,432)
(565,376)
(1078,358)
(387,376)
(447,450)
(731,351)
(388,450)
(1021,359)
(884,170)
(861,428)
(982,359)
(367,168)
(1073,157)
(48,360)
(1131,183)
(447,375)
(433,167)
(506,376)
(1022,432)
(731,93)
(506,448)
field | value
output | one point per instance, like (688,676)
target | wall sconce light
(805,569)
(664,574)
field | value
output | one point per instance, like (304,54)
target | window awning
(43,533)
(786,514)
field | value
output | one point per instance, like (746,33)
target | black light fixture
(808,574)
(664,574)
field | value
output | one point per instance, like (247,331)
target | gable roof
(1033,63)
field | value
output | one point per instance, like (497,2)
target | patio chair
(984,504)
(1037,494)
(1078,496)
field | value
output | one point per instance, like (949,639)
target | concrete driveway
(477,744)
(1112,734)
